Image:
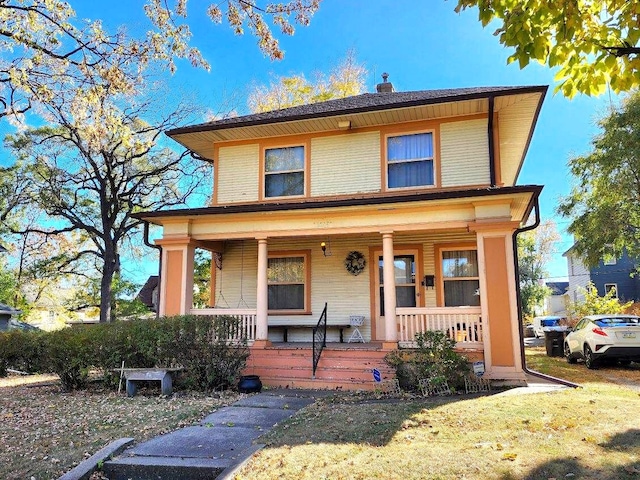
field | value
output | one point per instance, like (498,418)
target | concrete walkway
(213,448)
(222,441)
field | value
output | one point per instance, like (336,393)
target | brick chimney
(384,87)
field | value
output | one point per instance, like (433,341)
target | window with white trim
(460,278)
(287,282)
(284,172)
(611,286)
(410,161)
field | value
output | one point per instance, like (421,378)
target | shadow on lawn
(571,467)
(353,420)
(624,441)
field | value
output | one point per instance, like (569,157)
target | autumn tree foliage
(593,44)
(42,43)
(535,249)
(344,80)
(604,204)
(97,155)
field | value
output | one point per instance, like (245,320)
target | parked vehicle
(550,323)
(596,338)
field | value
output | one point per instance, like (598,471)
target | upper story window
(410,160)
(284,172)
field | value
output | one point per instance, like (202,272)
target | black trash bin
(554,342)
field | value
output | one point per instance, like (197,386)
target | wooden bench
(287,324)
(163,375)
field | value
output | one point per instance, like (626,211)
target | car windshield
(616,322)
(552,322)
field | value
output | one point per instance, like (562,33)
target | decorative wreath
(355,263)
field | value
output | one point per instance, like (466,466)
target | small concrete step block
(163,376)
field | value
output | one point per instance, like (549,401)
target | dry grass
(44,433)
(586,433)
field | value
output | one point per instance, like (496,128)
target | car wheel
(589,359)
(567,354)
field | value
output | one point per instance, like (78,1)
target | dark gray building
(614,273)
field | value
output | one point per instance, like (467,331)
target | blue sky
(421,44)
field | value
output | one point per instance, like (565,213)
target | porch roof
(532,191)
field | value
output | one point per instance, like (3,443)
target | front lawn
(590,432)
(44,433)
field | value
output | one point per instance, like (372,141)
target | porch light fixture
(326,248)
(429,281)
(344,124)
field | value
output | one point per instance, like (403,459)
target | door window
(405,276)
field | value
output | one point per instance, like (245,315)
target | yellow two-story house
(395,210)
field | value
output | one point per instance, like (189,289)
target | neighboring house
(399,207)
(556,302)
(6,313)
(613,273)
(148,294)
(48,309)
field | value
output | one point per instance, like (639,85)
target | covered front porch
(245,283)
(404,266)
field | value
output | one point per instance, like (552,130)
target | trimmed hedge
(195,343)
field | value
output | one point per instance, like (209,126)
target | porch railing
(246,318)
(462,324)
(319,339)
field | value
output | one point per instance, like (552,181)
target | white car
(599,337)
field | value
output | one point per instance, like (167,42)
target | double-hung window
(287,282)
(410,160)
(460,278)
(284,172)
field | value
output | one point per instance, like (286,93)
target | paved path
(214,447)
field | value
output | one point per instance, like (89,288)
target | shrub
(434,358)
(198,344)
(21,351)
(68,353)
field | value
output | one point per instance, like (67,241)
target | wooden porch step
(339,367)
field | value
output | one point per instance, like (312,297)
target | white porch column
(262,303)
(389,282)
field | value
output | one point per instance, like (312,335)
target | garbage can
(554,343)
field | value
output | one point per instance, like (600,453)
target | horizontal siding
(464,153)
(579,277)
(345,294)
(238,174)
(345,164)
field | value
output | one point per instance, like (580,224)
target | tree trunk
(110,270)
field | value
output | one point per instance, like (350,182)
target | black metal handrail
(319,339)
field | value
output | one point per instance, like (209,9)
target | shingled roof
(366,102)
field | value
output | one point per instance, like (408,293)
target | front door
(407,288)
